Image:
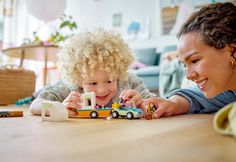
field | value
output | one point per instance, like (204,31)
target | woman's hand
(168,107)
(72,103)
(132,95)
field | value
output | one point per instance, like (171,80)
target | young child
(96,62)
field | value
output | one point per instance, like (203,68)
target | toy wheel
(94,114)
(130,115)
(115,114)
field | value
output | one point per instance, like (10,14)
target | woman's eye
(195,61)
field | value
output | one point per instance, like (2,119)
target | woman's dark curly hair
(215,23)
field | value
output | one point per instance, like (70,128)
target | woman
(207,48)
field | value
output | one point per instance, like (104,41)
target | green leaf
(74,25)
(64,24)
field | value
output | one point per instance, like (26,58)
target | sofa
(151,71)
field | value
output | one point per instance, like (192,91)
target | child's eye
(109,81)
(93,83)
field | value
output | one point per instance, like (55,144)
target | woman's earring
(232,61)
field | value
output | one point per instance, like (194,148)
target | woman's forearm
(181,104)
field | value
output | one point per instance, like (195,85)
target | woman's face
(100,83)
(209,67)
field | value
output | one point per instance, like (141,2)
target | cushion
(148,71)
(147,56)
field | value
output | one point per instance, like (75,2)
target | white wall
(94,13)
(99,13)
(90,13)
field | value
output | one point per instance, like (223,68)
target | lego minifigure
(150,111)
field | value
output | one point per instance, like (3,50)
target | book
(10,113)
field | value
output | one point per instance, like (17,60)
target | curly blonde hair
(87,51)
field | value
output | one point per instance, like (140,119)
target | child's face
(100,83)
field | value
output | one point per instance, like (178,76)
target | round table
(34,52)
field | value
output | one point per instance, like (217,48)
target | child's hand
(132,95)
(72,103)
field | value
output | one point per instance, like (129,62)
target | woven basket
(15,83)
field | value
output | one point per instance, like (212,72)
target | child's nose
(101,89)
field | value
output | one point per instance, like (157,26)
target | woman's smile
(202,83)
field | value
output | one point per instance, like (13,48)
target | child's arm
(36,105)
(71,103)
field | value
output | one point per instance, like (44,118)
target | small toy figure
(96,106)
(150,111)
(152,107)
(115,105)
(122,103)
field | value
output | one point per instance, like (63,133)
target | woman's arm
(167,107)
(200,104)
(190,100)
(173,106)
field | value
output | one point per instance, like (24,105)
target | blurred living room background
(31,29)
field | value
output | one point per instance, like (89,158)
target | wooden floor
(185,138)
